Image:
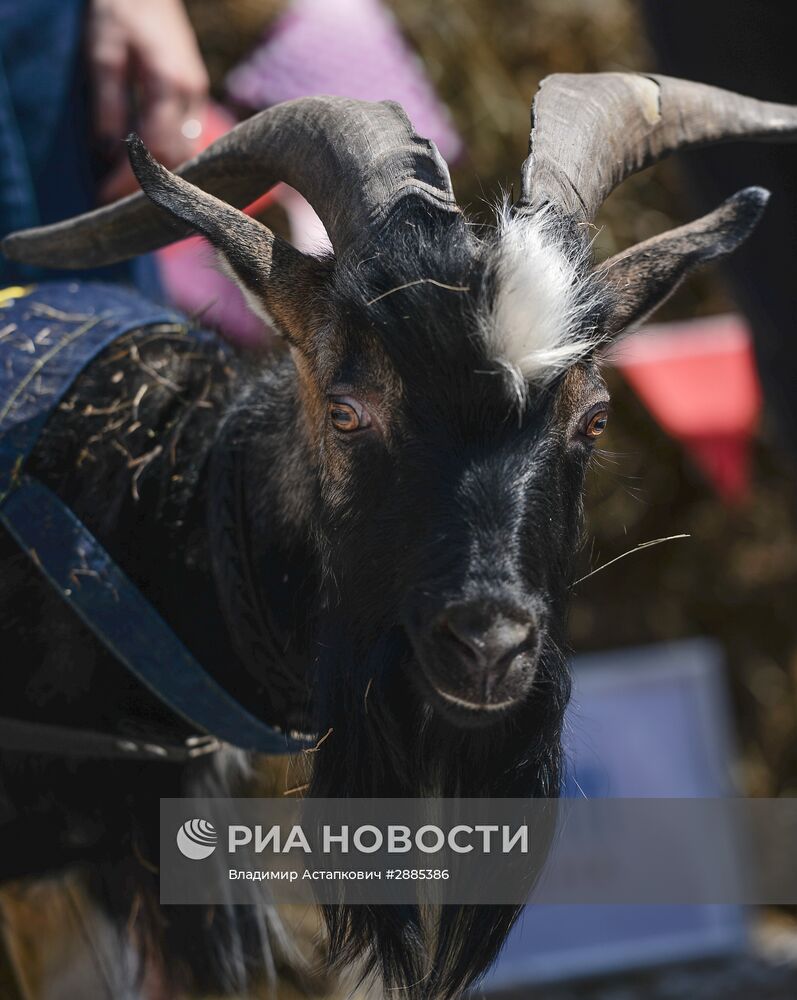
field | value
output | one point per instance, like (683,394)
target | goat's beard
(380,750)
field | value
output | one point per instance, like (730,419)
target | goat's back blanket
(48,335)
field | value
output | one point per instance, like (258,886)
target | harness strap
(70,558)
(23,736)
(116,611)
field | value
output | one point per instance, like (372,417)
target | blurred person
(747,46)
(75,77)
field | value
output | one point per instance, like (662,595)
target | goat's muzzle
(477,658)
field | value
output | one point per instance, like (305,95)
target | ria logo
(197,839)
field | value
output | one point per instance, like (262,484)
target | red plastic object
(218,121)
(699,381)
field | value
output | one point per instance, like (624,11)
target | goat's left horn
(352,160)
(591,131)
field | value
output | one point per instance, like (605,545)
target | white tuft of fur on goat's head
(540,319)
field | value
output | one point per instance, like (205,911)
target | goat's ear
(279,282)
(640,279)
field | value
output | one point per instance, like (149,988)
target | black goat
(402,486)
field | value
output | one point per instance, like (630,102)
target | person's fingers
(109,67)
(144,52)
(171,122)
(171,126)
(174,85)
(119,182)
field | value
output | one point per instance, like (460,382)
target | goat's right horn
(352,160)
(590,131)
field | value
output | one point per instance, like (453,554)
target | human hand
(147,74)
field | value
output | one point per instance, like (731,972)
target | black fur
(362,542)
(402,552)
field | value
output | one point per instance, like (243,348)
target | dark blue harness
(48,335)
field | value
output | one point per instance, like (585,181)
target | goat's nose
(484,639)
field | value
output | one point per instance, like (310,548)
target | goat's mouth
(468,709)
(463,705)
(476,660)
(463,710)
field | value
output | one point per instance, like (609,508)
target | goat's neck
(261,502)
(131,457)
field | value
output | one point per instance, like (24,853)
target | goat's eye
(595,421)
(347,414)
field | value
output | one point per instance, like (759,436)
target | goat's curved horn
(273,275)
(352,160)
(591,131)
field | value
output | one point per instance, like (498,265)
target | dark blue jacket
(49,166)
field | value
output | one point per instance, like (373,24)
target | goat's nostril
(483,639)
